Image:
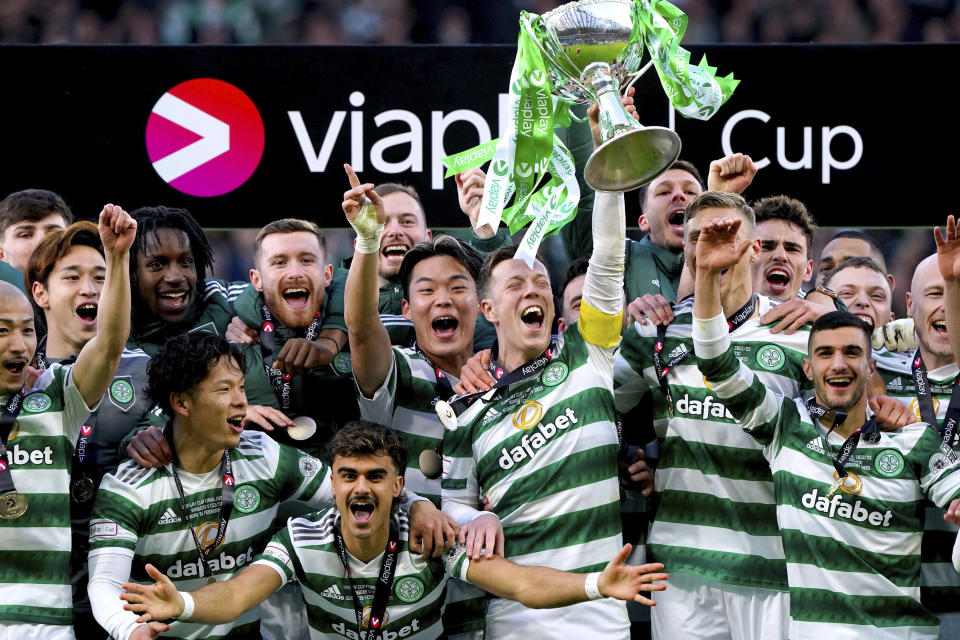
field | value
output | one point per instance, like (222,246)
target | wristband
(187,606)
(335,344)
(590,585)
(368,230)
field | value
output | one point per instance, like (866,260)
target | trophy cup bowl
(589,54)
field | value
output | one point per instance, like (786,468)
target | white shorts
(696,608)
(28,631)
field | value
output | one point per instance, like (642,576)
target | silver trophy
(589,54)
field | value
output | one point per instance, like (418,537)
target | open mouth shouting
(394,252)
(236,423)
(15,366)
(296,297)
(87,312)
(839,383)
(777,279)
(444,326)
(175,300)
(361,509)
(675,219)
(940,327)
(532,316)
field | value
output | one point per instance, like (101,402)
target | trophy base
(632,159)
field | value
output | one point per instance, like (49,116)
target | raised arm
(544,588)
(99,358)
(215,603)
(601,308)
(369,341)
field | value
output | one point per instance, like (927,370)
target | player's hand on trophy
(626,582)
(732,174)
(157,601)
(470,194)
(366,220)
(593,114)
(948,249)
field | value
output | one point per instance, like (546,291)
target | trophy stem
(631,155)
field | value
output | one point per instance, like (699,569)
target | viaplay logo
(205,137)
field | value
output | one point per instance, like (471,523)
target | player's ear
(806,369)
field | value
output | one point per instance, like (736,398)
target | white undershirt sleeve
(108,571)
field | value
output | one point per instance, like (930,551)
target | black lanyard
(226,504)
(83,487)
(381,595)
(443,382)
(281,383)
(925,402)
(7,419)
(867,430)
(663,367)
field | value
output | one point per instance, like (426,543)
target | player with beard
(171,258)
(400,386)
(39,429)
(849,497)
(66,274)
(357,552)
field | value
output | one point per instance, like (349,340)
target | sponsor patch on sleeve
(277,552)
(103,529)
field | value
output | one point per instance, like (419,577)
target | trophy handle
(636,76)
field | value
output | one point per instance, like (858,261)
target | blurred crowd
(339,22)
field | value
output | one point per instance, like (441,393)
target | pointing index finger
(352,175)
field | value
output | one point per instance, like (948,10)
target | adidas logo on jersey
(492,415)
(679,351)
(816,445)
(703,409)
(530,444)
(402,632)
(896,383)
(169,517)
(333,593)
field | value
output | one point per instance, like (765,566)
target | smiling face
(519,304)
(925,305)
(783,264)
(665,199)
(865,292)
(443,307)
(166,275)
(839,365)
(71,296)
(213,410)
(292,276)
(21,238)
(736,278)
(405,226)
(18,339)
(364,487)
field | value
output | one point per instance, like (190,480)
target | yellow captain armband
(599,328)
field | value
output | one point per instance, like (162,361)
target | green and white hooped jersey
(305,551)
(939,581)
(853,559)
(717,515)
(545,455)
(405,402)
(35,548)
(138,512)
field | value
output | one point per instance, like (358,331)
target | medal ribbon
(663,367)
(381,595)
(226,503)
(868,430)
(925,402)
(281,384)
(7,419)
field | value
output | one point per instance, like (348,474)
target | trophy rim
(581,3)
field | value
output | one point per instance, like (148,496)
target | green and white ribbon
(523,156)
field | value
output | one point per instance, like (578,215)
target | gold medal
(670,404)
(13,505)
(211,580)
(431,464)
(82,490)
(837,483)
(447,415)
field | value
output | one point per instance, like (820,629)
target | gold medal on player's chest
(448,417)
(13,505)
(837,483)
(211,580)
(82,490)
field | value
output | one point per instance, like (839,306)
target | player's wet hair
(185,361)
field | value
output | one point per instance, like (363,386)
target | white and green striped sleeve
(756,407)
